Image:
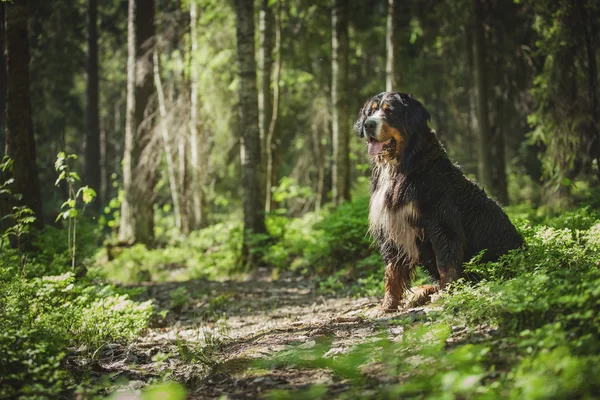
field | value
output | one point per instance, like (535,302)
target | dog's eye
(385,107)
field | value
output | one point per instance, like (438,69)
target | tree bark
(484,161)
(2,77)
(167,142)
(472,136)
(272,171)
(113,161)
(339,96)
(137,213)
(265,62)
(103,163)
(92,147)
(196,142)
(320,156)
(20,142)
(184,183)
(252,190)
(392,80)
(126,223)
(499,164)
(592,75)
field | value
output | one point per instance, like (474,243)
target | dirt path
(214,332)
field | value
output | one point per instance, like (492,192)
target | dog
(423,209)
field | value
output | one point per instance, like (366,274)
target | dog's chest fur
(393,224)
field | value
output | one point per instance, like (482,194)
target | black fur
(456,219)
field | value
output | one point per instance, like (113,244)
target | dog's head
(388,122)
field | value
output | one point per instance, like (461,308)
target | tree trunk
(265,61)
(92,146)
(484,163)
(592,75)
(167,142)
(272,172)
(112,148)
(184,190)
(472,135)
(103,163)
(197,187)
(339,100)
(20,143)
(2,78)
(252,190)
(392,81)
(499,162)
(126,223)
(137,213)
(319,152)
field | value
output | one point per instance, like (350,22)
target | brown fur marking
(422,295)
(387,132)
(397,280)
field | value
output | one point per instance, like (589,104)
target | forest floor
(214,340)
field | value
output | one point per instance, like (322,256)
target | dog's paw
(389,304)
(422,295)
(374,313)
(378,312)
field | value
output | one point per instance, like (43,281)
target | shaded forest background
(174,168)
(512,88)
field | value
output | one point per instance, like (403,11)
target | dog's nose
(370,127)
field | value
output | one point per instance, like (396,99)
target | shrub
(31,344)
(211,252)
(41,316)
(327,242)
(115,318)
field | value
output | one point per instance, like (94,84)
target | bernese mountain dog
(423,209)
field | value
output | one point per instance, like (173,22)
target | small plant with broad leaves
(71,211)
(22,216)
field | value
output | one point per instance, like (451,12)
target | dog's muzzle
(372,128)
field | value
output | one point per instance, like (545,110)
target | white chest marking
(394,226)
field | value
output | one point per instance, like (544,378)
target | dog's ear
(358,125)
(416,116)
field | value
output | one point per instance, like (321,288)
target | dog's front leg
(447,240)
(397,280)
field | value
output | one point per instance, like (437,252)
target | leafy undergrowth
(333,244)
(212,252)
(529,329)
(45,313)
